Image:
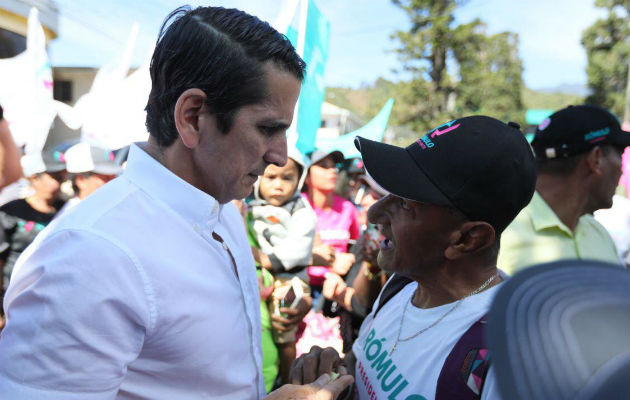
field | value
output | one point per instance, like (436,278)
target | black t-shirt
(20,223)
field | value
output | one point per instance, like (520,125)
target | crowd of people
(224,263)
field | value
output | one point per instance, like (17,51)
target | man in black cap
(578,155)
(452,193)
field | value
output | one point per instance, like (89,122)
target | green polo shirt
(537,236)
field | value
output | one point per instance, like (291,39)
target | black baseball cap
(577,129)
(478,165)
(562,331)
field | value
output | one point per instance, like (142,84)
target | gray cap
(562,331)
(317,155)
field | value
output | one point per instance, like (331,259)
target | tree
(607,44)
(456,70)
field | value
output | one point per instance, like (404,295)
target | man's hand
(293,315)
(321,389)
(323,254)
(343,262)
(318,361)
(334,286)
(370,254)
(335,289)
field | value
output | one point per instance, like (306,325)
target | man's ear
(469,238)
(594,160)
(187,111)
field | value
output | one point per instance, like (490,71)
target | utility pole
(626,109)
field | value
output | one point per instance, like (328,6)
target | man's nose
(277,152)
(375,212)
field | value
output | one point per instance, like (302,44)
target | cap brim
(622,139)
(335,154)
(393,168)
(561,331)
(55,167)
(107,169)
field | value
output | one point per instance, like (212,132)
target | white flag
(27,90)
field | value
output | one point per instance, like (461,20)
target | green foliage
(551,101)
(607,44)
(457,70)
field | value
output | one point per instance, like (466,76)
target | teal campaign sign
(373,130)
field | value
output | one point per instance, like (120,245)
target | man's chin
(384,263)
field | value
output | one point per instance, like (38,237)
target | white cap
(85,158)
(32,164)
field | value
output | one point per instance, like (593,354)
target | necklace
(402,319)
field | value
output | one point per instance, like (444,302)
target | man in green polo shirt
(578,155)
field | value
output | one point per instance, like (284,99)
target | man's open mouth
(386,244)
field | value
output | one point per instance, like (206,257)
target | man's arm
(324,388)
(367,285)
(10,168)
(77,315)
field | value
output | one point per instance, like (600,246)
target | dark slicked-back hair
(220,51)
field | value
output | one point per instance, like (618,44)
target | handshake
(318,375)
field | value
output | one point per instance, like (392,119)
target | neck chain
(402,319)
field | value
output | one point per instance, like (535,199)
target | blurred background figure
(355,293)
(616,220)
(282,229)
(337,229)
(21,220)
(90,167)
(578,159)
(10,169)
(561,331)
(337,218)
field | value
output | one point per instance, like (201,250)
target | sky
(93,32)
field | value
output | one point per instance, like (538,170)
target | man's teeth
(387,244)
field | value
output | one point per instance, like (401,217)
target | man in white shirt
(452,193)
(147,289)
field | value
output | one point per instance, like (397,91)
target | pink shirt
(336,227)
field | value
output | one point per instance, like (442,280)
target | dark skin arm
(366,290)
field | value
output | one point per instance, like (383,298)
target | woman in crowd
(21,220)
(338,223)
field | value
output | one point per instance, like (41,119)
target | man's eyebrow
(274,123)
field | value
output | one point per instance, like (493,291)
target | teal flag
(535,116)
(373,130)
(316,34)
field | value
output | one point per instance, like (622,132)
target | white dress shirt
(128,296)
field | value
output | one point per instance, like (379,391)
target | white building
(337,121)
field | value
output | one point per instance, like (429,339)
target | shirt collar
(160,183)
(543,216)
